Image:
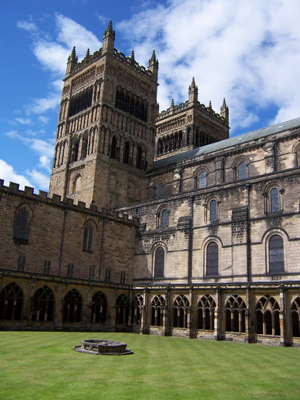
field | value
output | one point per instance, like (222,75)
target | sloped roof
(227,143)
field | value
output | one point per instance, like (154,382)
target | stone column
(283,317)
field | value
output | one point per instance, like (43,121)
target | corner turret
(153,65)
(72,62)
(193,92)
(224,111)
(109,39)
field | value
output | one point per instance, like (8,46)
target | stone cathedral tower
(106,129)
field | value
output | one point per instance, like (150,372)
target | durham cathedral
(155,222)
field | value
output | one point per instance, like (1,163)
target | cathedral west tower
(106,128)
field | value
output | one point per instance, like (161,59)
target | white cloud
(43,120)
(45,163)
(40,180)
(72,34)
(9,175)
(40,106)
(27,26)
(243,51)
(41,147)
(24,121)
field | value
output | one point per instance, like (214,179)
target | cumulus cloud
(10,175)
(244,51)
(45,163)
(40,180)
(40,106)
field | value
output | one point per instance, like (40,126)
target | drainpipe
(62,241)
(101,251)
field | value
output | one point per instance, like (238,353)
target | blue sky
(247,52)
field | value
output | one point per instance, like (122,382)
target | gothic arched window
(157,307)
(72,306)
(126,153)
(99,308)
(88,238)
(159,263)
(21,226)
(267,316)
(43,305)
(180,310)
(206,313)
(11,302)
(212,259)
(235,314)
(122,309)
(276,255)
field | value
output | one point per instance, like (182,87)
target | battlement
(130,61)
(55,200)
(98,54)
(176,109)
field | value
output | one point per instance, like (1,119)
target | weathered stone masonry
(155,223)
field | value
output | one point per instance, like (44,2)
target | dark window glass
(159,263)
(126,153)
(21,223)
(276,255)
(113,153)
(242,171)
(87,238)
(274,200)
(160,191)
(202,180)
(213,210)
(164,217)
(212,259)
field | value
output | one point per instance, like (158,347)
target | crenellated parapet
(55,201)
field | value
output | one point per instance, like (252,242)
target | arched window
(72,306)
(212,259)
(206,313)
(88,238)
(43,305)
(235,314)
(137,307)
(139,160)
(242,171)
(21,226)
(295,310)
(11,303)
(160,191)
(122,309)
(159,263)
(164,218)
(213,211)
(202,180)
(180,311)
(157,307)
(276,255)
(274,197)
(113,152)
(126,153)
(267,316)
(99,308)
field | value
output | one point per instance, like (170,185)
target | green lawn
(42,365)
